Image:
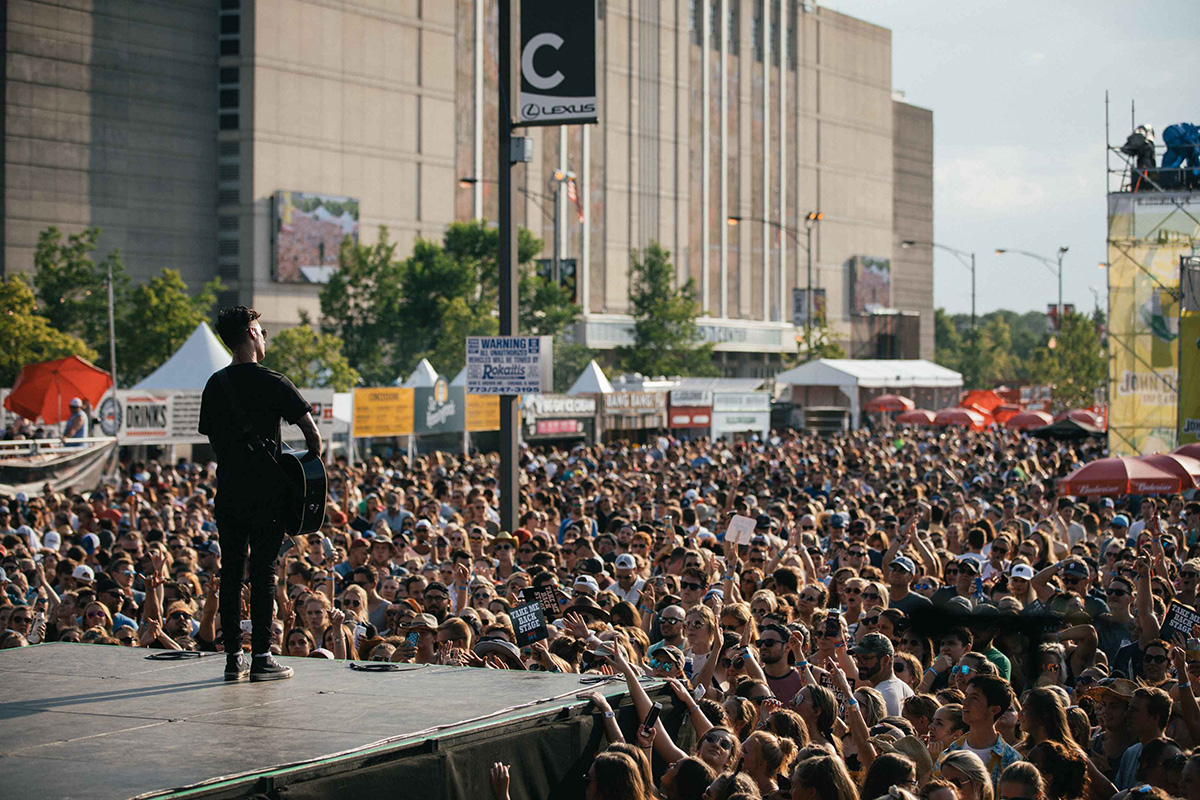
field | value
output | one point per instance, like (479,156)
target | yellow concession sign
(483,412)
(383,412)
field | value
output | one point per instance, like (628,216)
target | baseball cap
(76,402)
(52,540)
(905,563)
(763,521)
(587,582)
(83,573)
(592,566)
(424,621)
(421,524)
(91,543)
(625,561)
(1107,502)
(837,520)
(968,565)
(1021,571)
(1120,521)
(874,644)
(1076,569)
(3,576)
(359,543)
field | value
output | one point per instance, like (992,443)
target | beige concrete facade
(172,125)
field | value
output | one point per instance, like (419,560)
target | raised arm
(666,747)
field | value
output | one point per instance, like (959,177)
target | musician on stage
(249,484)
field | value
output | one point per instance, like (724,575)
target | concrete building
(176,125)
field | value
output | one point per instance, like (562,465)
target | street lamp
(961,255)
(1051,264)
(810,220)
(559,178)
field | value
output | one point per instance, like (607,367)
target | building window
(229,75)
(714,23)
(694,5)
(756,30)
(735,18)
(229,99)
(792,46)
(227,122)
(774,31)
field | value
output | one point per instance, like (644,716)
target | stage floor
(89,721)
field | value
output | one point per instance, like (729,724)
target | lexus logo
(531,110)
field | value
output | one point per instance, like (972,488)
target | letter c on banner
(531,74)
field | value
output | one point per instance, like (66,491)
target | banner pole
(507,261)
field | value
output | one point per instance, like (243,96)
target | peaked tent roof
(591,381)
(870,373)
(191,365)
(461,378)
(424,375)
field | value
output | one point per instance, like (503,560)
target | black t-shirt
(911,602)
(266,397)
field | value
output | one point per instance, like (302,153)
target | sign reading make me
(509,364)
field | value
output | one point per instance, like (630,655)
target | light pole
(1052,264)
(810,220)
(961,255)
(535,197)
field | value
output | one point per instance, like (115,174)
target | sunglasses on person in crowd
(1155,659)
(669,620)
(870,621)
(721,741)
(961,669)
(765,643)
(689,586)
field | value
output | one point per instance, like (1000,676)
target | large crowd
(915,614)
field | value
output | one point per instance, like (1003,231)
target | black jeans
(249,525)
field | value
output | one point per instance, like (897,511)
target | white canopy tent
(191,365)
(876,376)
(591,381)
(423,376)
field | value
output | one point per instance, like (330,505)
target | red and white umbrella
(1119,475)
(1027,420)
(1082,415)
(1192,450)
(918,416)
(889,403)
(961,418)
(1186,467)
(1006,411)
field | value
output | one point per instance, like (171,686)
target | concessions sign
(558,62)
(386,411)
(690,408)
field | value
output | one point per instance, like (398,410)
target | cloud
(995,180)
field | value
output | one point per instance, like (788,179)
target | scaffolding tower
(1153,230)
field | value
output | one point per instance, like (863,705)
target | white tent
(461,378)
(591,381)
(424,375)
(192,364)
(850,376)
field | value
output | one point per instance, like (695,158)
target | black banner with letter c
(558,62)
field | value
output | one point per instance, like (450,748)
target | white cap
(76,402)
(83,573)
(52,539)
(587,582)
(1021,571)
(626,561)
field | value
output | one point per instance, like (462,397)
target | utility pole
(1051,264)
(507,262)
(112,335)
(965,258)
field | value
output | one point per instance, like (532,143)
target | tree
(73,289)
(28,336)
(361,306)
(1073,362)
(311,359)
(158,318)
(947,341)
(666,339)
(815,342)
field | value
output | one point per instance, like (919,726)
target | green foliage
(72,288)
(28,337)
(666,339)
(814,342)
(361,306)
(310,358)
(158,318)
(1014,348)
(570,357)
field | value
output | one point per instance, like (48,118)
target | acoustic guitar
(307,490)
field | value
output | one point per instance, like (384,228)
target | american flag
(573,196)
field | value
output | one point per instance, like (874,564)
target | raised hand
(499,778)
(577,626)
(598,700)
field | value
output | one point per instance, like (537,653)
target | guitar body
(307,489)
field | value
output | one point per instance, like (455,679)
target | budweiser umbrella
(1186,467)
(917,416)
(961,417)
(1082,415)
(45,390)
(1119,475)
(1192,450)
(1027,420)
(890,402)
(1006,411)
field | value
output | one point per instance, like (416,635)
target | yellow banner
(1147,234)
(483,412)
(383,412)
(1189,377)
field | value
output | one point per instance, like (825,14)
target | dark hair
(233,325)
(995,690)
(1158,703)
(888,769)
(692,777)
(1063,768)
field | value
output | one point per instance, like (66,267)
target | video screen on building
(309,231)
(872,284)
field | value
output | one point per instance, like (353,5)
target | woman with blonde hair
(764,755)
(968,774)
(822,778)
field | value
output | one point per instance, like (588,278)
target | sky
(1017,93)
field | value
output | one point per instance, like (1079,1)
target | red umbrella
(918,416)
(1192,450)
(1186,467)
(45,390)
(1082,415)
(890,402)
(1006,411)
(961,417)
(1119,475)
(1028,419)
